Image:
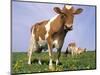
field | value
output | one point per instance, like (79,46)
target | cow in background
(52,32)
(81,50)
(74,50)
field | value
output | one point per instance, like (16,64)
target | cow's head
(67,14)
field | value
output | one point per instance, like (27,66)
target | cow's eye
(65,15)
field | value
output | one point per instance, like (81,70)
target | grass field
(84,61)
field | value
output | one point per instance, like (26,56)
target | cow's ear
(58,10)
(78,11)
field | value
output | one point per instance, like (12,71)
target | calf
(52,32)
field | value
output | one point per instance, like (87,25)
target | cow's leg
(29,56)
(33,47)
(30,51)
(58,46)
(39,61)
(38,50)
(50,53)
(58,56)
(50,57)
(72,52)
(39,56)
(76,51)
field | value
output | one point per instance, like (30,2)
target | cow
(74,50)
(81,50)
(52,32)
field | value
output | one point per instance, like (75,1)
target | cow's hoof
(59,63)
(51,67)
(29,63)
(39,63)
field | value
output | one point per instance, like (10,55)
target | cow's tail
(33,45)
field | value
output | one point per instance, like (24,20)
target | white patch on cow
(68,6)
(46,36)
(47,26)
(68,25)
(55,42)
(40,39)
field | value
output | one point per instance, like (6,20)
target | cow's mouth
(68,28)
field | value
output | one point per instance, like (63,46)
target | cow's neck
(57,24)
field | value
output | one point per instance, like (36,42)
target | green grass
(84,61)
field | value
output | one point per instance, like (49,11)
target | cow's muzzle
(68,28)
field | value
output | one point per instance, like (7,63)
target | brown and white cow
(52,32)
(74,50)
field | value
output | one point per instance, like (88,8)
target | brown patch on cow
(39,30)
(56,25)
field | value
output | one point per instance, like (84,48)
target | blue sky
(26,14)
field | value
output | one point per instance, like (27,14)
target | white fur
(68,25)
(68,6)
(55,42)
(47,26)
(40,39)
(46,36)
